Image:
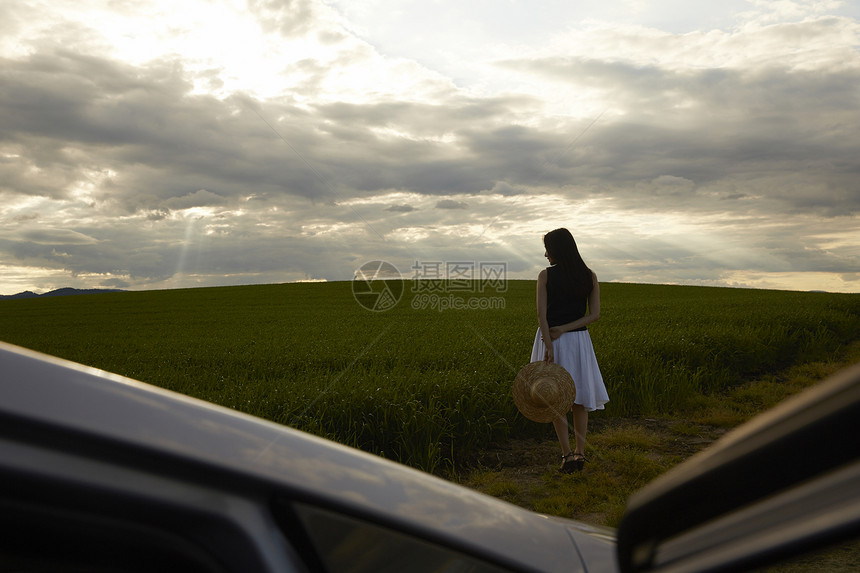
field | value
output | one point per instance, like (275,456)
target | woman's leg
(580,427)
(561,430)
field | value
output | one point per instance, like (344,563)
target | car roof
(149,422)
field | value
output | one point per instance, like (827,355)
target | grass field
(625,454)
(426,387)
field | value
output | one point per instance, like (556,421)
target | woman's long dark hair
(561,247)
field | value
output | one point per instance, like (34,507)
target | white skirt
(575,353)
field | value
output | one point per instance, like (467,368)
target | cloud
(199,198)
(286,18)
(115,283)
(451,204)
(506,189)
(56,237)
(314,152)
(716,127)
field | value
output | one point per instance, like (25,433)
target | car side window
(350,545)
(41,540)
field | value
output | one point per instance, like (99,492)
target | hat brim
(543,391)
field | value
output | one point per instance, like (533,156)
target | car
(783,484)
(103,473)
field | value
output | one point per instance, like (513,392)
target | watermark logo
(435,285)
(377,286)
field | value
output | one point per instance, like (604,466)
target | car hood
(71,398)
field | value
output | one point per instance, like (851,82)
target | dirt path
(623,455)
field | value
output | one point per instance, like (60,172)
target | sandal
(572,462)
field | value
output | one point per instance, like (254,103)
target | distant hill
(59,292)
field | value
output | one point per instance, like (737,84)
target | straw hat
(543,391)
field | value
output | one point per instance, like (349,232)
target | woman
(568,299)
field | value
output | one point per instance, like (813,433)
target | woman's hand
(548,353)
(555,332)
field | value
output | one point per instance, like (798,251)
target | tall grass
(424,387)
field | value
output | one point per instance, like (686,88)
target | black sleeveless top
(565,301)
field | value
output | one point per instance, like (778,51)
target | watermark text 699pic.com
(455,302)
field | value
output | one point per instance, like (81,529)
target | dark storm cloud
(115,115)
(480,146)
(68,113)
(724,125)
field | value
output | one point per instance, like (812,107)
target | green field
(424,387)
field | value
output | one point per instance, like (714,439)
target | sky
(149,144)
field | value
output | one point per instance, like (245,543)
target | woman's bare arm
(542,321)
